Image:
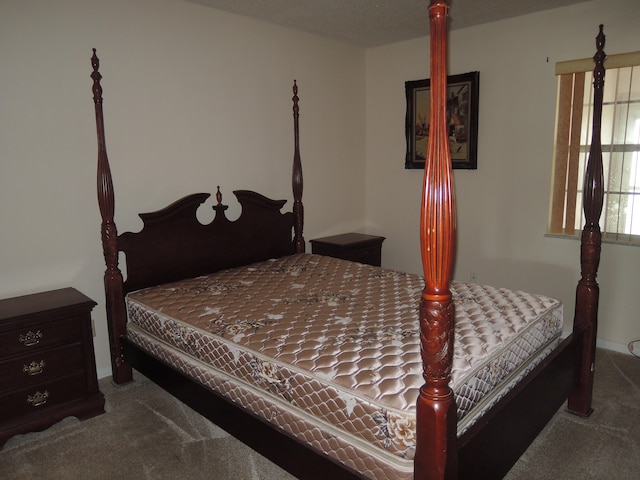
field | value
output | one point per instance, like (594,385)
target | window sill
(626,240)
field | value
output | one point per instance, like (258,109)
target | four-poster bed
(330,367)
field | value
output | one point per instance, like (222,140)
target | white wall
(502,207)
(196,98)
(193,98)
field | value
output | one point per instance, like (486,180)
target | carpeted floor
(146,434)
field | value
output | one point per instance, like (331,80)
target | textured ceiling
(371,23)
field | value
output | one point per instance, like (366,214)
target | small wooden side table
(47,363)
(356,247)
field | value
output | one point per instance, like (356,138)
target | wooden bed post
(298,209)
(585,324)
(112,276)
(436,444)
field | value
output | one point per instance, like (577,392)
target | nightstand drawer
(40,398)
(356,247)
(35,336)
(39,367)
(370,255)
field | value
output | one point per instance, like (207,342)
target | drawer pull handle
(38,398)
(31,339)
(34,368)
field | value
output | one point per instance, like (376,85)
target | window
(620,220)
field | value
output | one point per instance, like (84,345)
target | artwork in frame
(462,119)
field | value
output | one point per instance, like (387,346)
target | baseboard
(104,373)
(616,347)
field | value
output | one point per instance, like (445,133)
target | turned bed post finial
(436,451)
(114,296)
(593,181)
(219,207)
(298,209)
(588,291)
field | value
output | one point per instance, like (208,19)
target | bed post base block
(435,458)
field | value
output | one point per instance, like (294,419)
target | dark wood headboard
(174,245)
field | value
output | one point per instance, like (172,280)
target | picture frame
(462,112)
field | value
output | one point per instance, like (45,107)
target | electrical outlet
(473,277)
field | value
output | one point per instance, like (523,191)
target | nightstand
(356,247)
(47,362)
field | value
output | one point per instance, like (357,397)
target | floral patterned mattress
(329,350)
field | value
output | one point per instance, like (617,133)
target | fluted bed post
(436,452)
(114,297)
(585,324)
(298,209)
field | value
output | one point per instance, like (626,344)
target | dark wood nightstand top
(357,247)
(353,239)
(27,305)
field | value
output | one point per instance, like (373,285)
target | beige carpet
(146,434)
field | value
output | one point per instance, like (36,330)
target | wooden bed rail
(436,421)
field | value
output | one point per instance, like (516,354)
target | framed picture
(462,118)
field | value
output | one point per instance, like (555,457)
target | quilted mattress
(329,350)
